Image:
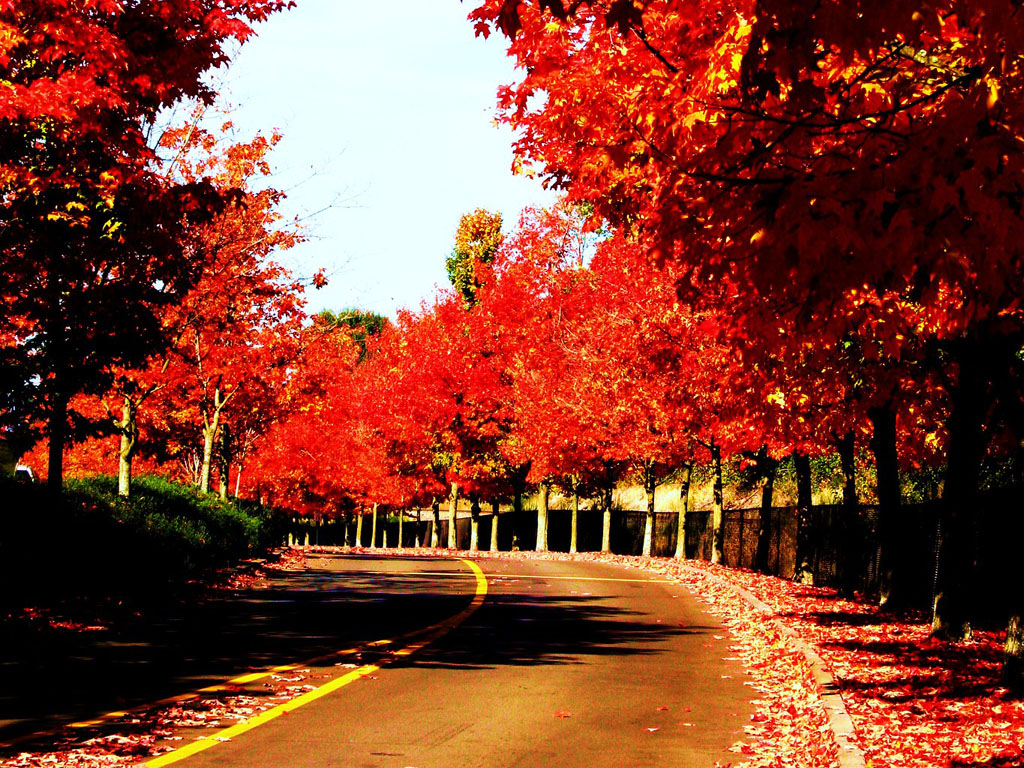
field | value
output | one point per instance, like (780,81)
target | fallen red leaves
(288,560)
(142,734)
(42,619)
(914,700)
(244,580)
(789,725)
(253,575)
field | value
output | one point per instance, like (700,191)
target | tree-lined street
(768,320)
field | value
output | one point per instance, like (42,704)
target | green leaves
(476,245)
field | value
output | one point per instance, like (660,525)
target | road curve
(563,663)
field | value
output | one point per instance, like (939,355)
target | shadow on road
(54,670)
(531,630)
(52,675)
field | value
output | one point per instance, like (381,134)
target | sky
(387,115)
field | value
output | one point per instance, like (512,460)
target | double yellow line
(419,639)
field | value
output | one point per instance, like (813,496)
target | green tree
(361,324)
(476,244)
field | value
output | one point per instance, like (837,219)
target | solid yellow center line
(251,677)
(513,577)
(431,633)
(537,577)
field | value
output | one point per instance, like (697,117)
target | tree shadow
(934,669)
(182,647)
(55,675)
(536,630)
(835,618)
(1013,761)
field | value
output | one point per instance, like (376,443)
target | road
(514,663)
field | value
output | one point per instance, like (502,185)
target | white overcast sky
(387,111)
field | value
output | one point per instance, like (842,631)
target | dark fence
(844,544)
(740,528)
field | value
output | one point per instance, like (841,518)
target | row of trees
(134,278)
(564,358)
(852,170)
(194,405)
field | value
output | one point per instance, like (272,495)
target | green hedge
(89,540)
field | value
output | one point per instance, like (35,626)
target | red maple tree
(90,251)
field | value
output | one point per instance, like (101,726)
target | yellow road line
(240,680)
(180,698)
(513,577)
(431,633)
(537,577)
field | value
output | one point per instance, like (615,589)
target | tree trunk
(55,344)
(129,429)
(495,506)
(518,485)
(373,527)
(453,517)
(685,472)
(847,447)
(474,523)
(224,460)
(741,537)
(58,437)
(851,549)
(717,532)
(435,529)
(211,427)
(348,531)
(956,588)
(803,573)
(401,528)
(384,530)
(573,534)
(649,489)
(768,467)
(543,490)
(359,527)
(606,516)
(209,437)
(1013,653)
(892,526)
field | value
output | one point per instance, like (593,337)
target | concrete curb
(839,720)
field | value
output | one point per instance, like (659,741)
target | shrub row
(91,541)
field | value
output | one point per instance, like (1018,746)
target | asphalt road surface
(545,663)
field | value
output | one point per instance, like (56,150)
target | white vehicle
(11,467)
